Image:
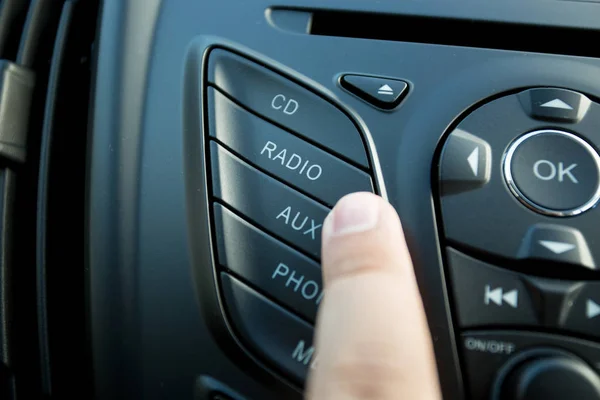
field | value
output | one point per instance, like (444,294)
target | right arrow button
(583,310)
(592,309)
(556,243)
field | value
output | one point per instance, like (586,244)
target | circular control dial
(547,375)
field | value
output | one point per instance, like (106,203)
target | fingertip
(353,213)
(363,232)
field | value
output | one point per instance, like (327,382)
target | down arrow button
(384,93)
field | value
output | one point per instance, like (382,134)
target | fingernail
(354,213)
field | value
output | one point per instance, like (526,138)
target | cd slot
(466,32)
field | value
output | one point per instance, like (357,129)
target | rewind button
(499,297)
(485,295)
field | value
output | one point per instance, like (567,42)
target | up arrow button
(380,92)
(557,103)
(554,104)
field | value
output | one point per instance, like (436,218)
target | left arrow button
(466,163)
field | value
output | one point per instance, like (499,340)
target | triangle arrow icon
(592,309)
(557,247)
(494,295)
(473,161)
(511,298)
(386,90)
(557,103)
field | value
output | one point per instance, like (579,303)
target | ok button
(553,172)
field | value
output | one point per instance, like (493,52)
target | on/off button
(553,172)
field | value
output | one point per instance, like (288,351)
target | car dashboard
(174,161)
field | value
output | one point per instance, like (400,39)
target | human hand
(372,336)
